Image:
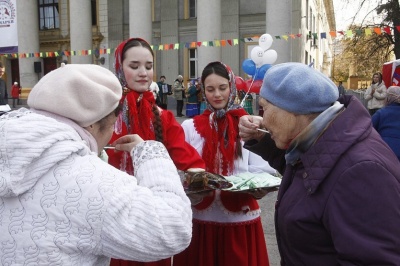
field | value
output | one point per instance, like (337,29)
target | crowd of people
(93,175)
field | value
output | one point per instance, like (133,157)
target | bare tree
(365,54)
(388,12)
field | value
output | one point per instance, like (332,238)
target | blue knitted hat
(298,88)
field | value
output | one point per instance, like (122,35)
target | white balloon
(256,55)
(265,41)
(269,57)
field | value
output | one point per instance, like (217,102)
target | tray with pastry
(198,180)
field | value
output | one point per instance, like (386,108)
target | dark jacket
(340,204)
(192,94)
(3,92)
(387,122)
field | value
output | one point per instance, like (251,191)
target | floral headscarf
(232,96)
(118,55)
(135,105)
(220,130)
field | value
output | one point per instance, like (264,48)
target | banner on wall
(8,26)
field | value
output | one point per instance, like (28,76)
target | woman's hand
(127,142)
(248,125)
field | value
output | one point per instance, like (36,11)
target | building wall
(239,19)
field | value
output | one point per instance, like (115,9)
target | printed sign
(8,26)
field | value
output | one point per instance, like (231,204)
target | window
(310,20)
(307,13)
(193,63)
(94,12)
(192,8)
(306,58)
(48,14)
(313,24)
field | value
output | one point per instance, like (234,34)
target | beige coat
(178,88)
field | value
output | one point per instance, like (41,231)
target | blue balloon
(249,67)
(260,73)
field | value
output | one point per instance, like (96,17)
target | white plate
(245,182)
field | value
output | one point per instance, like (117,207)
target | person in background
(338,203)
(192,106)
(200,96)
(140,115)
(386,120)
(15,92)
(156,92)
(3,86)
(375,94)
(227,228)
(179,91)
(341,89)
(163,92)
(60,203)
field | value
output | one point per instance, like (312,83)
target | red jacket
(15,91)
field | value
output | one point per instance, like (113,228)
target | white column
(140,22)
(80,17)
(229,31)
(170,34)
(208,29)
(28,41)
(276,22)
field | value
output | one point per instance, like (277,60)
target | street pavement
(267,205)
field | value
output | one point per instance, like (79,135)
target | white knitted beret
(81,92)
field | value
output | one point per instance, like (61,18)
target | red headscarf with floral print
(220,130)
(136,116)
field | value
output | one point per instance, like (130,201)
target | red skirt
(225,245)
(165,262)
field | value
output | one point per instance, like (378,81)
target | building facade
(98,26)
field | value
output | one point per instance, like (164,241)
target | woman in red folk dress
(140,115)
(227,228)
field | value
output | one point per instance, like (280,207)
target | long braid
(157,124)
(238,149)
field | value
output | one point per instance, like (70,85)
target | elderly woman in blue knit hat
(338,203)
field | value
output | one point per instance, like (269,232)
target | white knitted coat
(62,205)
(378,99)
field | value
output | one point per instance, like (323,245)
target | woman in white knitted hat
(338,203)
(60,204)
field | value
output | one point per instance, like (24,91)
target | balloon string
(248,90)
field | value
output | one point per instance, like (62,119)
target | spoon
(109,147)
(263,130)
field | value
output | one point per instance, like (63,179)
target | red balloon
(240,84)
(254,86)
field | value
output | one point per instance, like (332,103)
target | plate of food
(200,181)
(247,182)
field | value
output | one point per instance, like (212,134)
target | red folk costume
(227,229)
(137,117)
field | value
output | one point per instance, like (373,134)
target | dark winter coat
(387,122)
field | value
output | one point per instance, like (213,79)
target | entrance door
(15,71)
(49,64)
